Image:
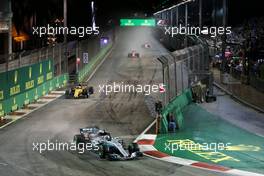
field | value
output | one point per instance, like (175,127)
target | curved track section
(123,114)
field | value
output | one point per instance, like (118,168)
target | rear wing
(89,130)
(72,85)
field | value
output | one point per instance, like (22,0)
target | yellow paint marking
(243,147)
(202,150)
(14,90)
(215,156)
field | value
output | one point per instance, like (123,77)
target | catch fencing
(183,68)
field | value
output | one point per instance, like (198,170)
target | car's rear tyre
(102,152)
(86,95)
(111,157)
(77,139)
(90,90)
(67,94)
(135,147)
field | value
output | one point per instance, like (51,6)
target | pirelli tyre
(102,151)
(135,147)
(77,139)
(85,93)
(113,157)
(68,93)
(90,90)
(132,148)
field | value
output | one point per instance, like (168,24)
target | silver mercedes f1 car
(106,146)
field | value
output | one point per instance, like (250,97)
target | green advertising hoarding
(137,22)
(24,85)
(3,83)
(18,101)
(23,79)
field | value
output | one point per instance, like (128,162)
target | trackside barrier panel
(23,79)
(175,107)
(87,69)
(22,99)
(24,85)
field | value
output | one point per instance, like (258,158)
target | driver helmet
(107,137)
(101,132)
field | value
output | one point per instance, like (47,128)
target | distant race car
(108,147)
(133,54)
(146,45)
(80,90)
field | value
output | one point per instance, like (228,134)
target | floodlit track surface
(123,114)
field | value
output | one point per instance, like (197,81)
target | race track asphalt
(122,114)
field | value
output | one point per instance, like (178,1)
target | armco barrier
(87,69)
(175,107)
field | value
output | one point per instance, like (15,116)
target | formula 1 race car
(133,54)
(146,45)
(79,91)
(107,147)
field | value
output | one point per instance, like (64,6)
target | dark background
(79,11)
(28,13)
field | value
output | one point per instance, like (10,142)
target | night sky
(79,11)
(240,10)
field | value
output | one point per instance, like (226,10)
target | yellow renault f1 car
(79,91)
